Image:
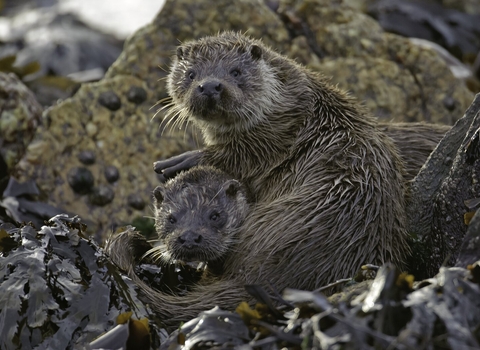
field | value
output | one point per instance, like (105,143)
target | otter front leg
(170,167)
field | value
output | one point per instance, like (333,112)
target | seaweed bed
(59,290)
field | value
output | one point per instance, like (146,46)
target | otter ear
(159,193)
(182,52)
(179,52)
(256,52)
(231,187)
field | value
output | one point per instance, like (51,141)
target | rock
(467,6)
(437,206)
(48,45)
(124,147)
(469,252)
(455,30)
(397,80)
(114,119)
(460,185)
(20,115)
(60,42)
(147,53)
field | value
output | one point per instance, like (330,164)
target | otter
(328,186)
(415,142)
(197,217)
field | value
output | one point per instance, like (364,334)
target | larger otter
(415,142)
(328,185)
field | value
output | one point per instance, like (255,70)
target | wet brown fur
(415,142)
(205,203)
(328,184)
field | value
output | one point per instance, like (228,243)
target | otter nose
(210,88)
(190,239)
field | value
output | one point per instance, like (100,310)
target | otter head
(223,83)
(197,215)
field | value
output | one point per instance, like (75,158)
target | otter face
(221,82)
(197,221)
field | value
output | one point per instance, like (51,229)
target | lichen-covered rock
(147,53)
(110,125)
(107,129)
(90,157)
(20,115)
(398,80)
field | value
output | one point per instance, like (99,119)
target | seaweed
(58,288)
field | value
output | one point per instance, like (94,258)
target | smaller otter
(197,216)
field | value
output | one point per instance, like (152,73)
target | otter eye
(234,73)
(214,216)
(171,219)
(191,75)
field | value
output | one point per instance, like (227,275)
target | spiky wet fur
(328,185)
(415,142)
(191,197)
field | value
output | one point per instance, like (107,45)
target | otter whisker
(216,194)
(158,111)
(162,100)
(158,254)
(169,119)
(164,69)
(164,107)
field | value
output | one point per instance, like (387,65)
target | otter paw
(170,167)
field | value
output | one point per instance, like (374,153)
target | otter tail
(126,249)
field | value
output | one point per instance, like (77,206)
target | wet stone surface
(80,180)
(136,202)
(110,100)
(111,173)
(86,157)
(101,195)
(136,95)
